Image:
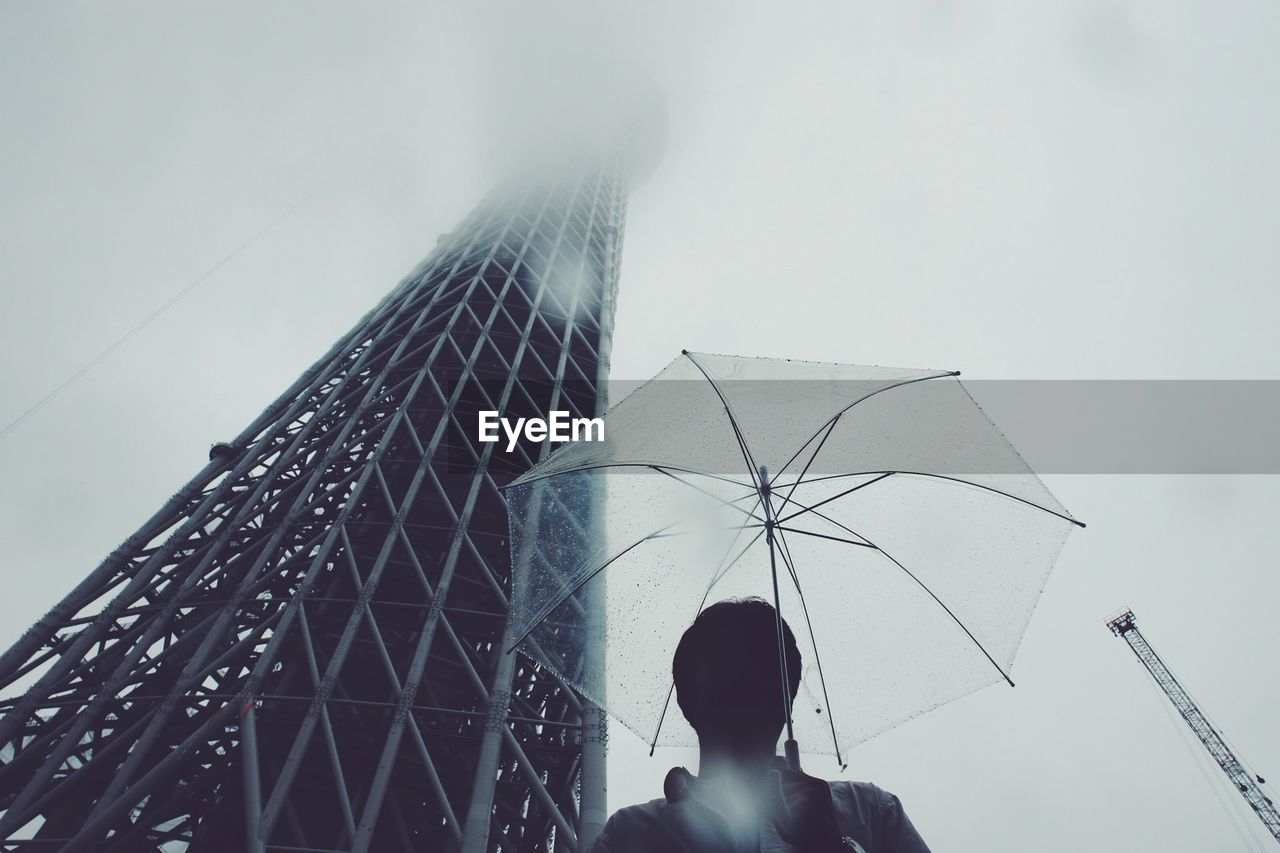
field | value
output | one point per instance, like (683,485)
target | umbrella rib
(547,611)
(715,579)
(805,470)
(831,423)
(805,509)
(949,478)
(561,599)
(817,658)
(733,421)
(920,583)
(817,535)
(824,517)
(728,529)
(731,504)
(525,479)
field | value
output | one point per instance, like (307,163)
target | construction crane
(1124,625)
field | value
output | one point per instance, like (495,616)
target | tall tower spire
(303,649)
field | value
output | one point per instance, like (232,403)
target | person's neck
(715,761)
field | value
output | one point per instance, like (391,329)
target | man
(729,685)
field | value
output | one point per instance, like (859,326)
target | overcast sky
(1067,190)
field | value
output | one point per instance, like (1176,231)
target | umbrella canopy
(895,527)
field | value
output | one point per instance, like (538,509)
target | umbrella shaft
(767,503)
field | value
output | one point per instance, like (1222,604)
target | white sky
(1070,190)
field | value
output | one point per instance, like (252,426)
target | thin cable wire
(177,297)
(155,315)
(1229,786)
(1248,768)
(1195,750)
(1248,816)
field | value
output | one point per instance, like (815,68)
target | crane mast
(1124,625)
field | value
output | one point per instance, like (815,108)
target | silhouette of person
(728,681)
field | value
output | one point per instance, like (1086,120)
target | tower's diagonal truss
(303,649)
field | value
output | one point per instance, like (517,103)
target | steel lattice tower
(1125,626)
(302,650)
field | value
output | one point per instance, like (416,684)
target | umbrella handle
(792,750)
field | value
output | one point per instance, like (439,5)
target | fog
(1077,190)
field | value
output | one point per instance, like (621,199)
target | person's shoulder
(632,827)
(639,810)
(876,817)
(631,819)
(863,791)
(866,799)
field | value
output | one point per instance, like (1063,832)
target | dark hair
(736,628)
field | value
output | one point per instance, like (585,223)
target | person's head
(728,677)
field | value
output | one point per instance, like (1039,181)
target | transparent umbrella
(881,511)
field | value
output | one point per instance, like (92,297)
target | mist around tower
(851,316)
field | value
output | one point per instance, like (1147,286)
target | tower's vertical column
(594,805)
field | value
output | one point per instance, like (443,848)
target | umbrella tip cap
(684,352)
